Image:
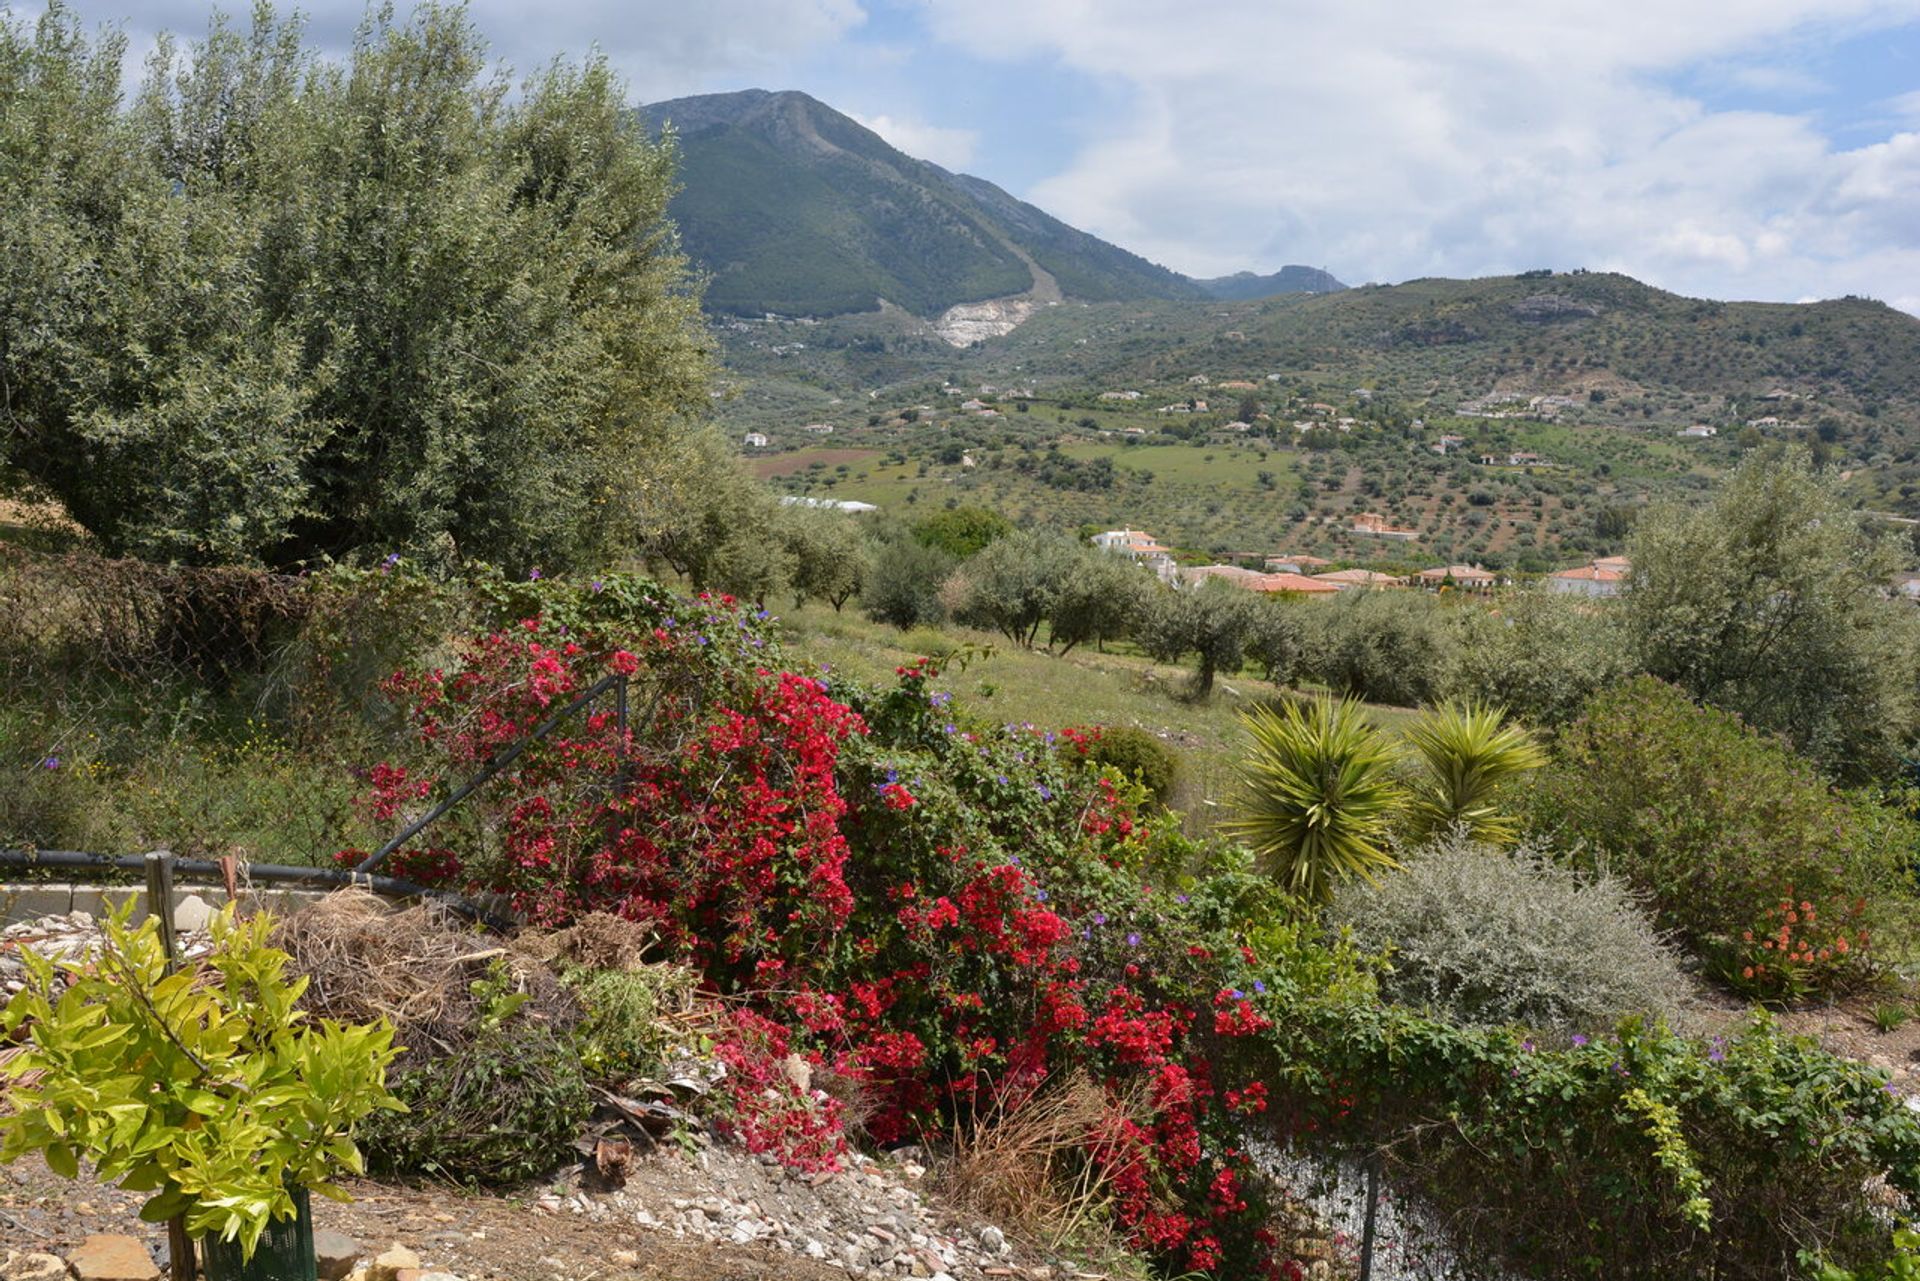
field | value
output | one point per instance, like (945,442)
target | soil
(477,1237)
(1845,1027)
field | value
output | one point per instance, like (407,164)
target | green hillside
(1626,368)
(1243,285)
(794,208)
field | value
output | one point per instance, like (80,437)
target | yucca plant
(1470,752)
(1317,794)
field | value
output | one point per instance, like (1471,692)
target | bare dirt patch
(801,459)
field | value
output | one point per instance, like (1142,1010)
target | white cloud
(1393,138)
(665,48)
(949,148)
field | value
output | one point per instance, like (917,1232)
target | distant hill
(795,208)
(1244,285)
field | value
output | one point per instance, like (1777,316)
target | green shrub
(500,1110)
(1470,756)
(623,1033)
(1385,647)
(1742,847)
(1138,755)
(1490,936)
(1541,656)
(1317,795)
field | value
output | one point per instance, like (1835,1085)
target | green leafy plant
(501,1109)
(1317,794)
(206,1087)
(1892,1015)
(1470,754)
(1138,755)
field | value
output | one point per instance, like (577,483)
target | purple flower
(1001,779)
(763,615)
(1236,994)
(1526,1047)
(1099,918)
(1182,898)
(1133,940)
(596,585)
(52,762)
(1045,793)
(1578,1040)
(392,560)
(533,575)
(1260,987)
(1041,895)
(893,776)
(949,727)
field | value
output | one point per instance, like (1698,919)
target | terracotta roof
(1591,574)
(1356,576)
(1291,583)
(1458,573)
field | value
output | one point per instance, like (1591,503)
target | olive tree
(1772,601)
(276,308)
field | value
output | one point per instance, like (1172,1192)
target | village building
(1348,580)
(1295,564)
(1472,578)
(1374,525)
(757,440)
(1599,579)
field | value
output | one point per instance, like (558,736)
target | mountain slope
(793,207)
(1292,279)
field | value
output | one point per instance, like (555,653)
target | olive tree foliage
(275,308)
(1385,647)
(1771,601)
(1026,581)
(1214,622)
(830,554)
(904,580)
(1540,655)
(725,533)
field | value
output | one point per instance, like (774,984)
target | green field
(1003,682)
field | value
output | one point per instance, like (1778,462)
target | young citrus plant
(205,1086)
(1317,793)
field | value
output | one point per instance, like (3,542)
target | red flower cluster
(932,981)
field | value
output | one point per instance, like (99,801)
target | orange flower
(1840,945)
(1806,907)
(1747,973)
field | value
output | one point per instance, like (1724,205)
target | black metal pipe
(494,765)
(270,873)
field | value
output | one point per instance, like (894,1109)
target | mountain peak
(793,207)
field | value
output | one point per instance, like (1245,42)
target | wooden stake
(160,907)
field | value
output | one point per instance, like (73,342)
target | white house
(1699,431)
(1604,577)
(757,440)
(1139,546)
(819,429)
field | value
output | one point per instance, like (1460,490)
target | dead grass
(1026,1166)
(416,968)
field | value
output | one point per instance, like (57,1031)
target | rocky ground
(702,1210)
(713,1214)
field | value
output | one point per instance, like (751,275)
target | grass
(1001,682)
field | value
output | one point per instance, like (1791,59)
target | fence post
(180,1260)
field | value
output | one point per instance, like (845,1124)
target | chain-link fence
(70,614)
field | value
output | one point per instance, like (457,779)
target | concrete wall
(25,901)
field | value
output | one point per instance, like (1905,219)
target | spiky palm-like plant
(1470,752)
(1317,792)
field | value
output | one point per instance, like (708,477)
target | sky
(1765,149)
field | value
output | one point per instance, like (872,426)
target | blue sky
(1724,148)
